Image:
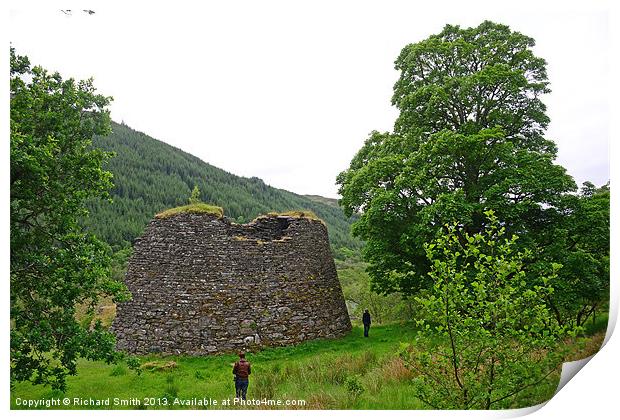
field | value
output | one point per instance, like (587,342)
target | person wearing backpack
(242,370)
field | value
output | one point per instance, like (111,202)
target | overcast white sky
(288,91)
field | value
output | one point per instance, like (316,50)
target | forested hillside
(150,176)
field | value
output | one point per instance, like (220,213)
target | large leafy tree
(469,137)
(54,264)
(579,239)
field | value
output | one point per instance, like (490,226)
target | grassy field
(349,373)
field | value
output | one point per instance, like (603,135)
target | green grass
(348,373)
(319,371)
(192,208)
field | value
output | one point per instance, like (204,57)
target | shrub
(354,385)
(118,370)
(488,334)
(133,363)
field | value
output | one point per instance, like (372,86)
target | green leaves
(492,335)
(469,138)
(194,198)
(578,255)
(54,264)
(464,79)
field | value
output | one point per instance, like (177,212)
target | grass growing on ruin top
(298,214)
(200,208)
(306,214)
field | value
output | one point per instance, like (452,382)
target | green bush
(354,385)
(118,370)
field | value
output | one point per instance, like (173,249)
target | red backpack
(242,369)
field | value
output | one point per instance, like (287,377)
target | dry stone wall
(201,284)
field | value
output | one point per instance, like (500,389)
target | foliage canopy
(498,335)
(578,238)
(469,137)
(55,265)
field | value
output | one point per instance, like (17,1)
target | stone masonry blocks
(201,284)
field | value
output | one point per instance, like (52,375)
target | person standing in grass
(366,321)
(242,370)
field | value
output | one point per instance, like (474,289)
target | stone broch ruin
(201,284)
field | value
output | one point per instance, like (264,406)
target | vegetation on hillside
(151,176)
(358,295)
(325,200)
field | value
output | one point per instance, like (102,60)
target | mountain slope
(325,200)
(151,176)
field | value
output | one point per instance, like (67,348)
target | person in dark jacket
(366,322)
(242,370)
